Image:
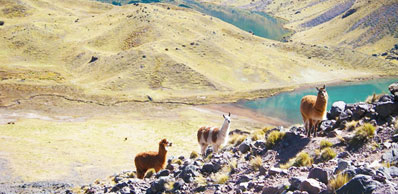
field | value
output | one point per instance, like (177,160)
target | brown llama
(313,110)
(147,160)
(213,135)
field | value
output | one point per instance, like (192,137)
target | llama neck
(225,127)
(162,151)
(321,103)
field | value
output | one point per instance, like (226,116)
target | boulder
(244,146)
(188,172)
(207,168)
(158,185)
(393,88)
(312,186)
(275,171)
(243,179)
(385,109)
(295,182)
(337,108)
(164,172)
(319,174)
(391,156)
(341,166)
(360,184)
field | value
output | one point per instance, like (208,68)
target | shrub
(302,159)
(373,98)
(149,173)
(176,161)
(222,176)
(339,181)
(193,155)
(236,139)
(351,125)
(325,144)
(256,162)
(328,154)
(274,137)
(363,134)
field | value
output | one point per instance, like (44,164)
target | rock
(275,171)
(163,172)
(391,156)
(312,186)
(393,171)
(386,98)
(200,189)
(244,147)
(393,88)
(274,189)
(188,173)
(360,184)
(344,154)
(93,59)
(295,182)
(244,186)
(207,168)
(243,179)
(157,186)
(125,190)
(387,188)
(319,174)
(119,186)
(341,166)
(1,23)
(260,144)
(336,109)
(385,109)
(327,125)
(384,54)
(395,138)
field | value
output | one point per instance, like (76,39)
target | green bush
(328,154)
(274,137)
(325,144)
(363,134)
(339,181)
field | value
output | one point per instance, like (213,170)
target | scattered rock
(1,23)
(336,109)
(312,186)
(295,182)
(208,168)
(164,172)
(319,174)
(341,166)
(244,146)
(275,171)
(360,184)
(93,59)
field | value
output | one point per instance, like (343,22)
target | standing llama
(214,136)
(313,110)
(146,160)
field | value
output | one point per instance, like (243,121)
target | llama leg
(215,148)
(140,174)
(311,124)
(316,127)
(203,146)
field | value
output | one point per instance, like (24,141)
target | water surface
(260,24)
(286,106)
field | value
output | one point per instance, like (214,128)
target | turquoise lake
(260,24)
(286,106)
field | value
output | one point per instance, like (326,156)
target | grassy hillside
(78,77)
(367,26)
(166,52)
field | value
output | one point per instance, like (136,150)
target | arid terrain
(86,85)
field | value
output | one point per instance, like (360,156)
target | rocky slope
(261,164)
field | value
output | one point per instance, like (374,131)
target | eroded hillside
(104,54)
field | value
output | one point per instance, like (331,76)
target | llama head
(164,143)
(322,92)
(227,118)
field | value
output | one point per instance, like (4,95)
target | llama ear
(229,114)
(324,86)
(317,89)
(223,116)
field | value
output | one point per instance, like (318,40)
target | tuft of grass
(302,159)
(132,175)
(363,134)
(373,98)
(256,163)
(351,125)
(328,154)
(169,185)
(193,155)
(325,144)
(200,180)
(150,173)
(339,181)
(236,139)
(177,161)
(274,137)
(222,176)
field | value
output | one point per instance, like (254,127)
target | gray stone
(243,186)
(208,168)
(319,174)
(391,156)
(158,185)
(188,173)
(360,184)
(344,154)
(270,190)
(275,171)
(243,179)
(312,186)
(336,109)
(295,182)
(393,171)
(163,172)
(327,125)
(385,109)
(341,166)
(393,88)
(125,190)
(260,144)
(244,146)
